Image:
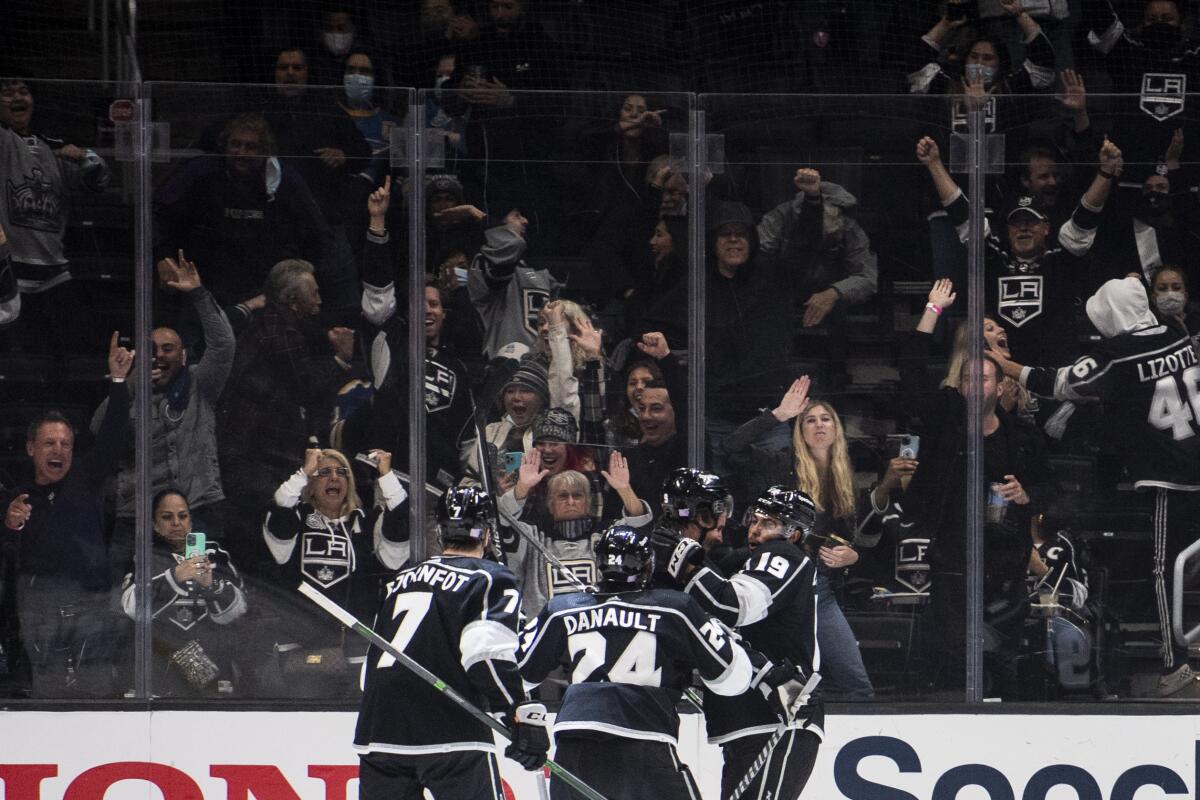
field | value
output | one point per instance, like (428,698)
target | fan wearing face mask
(955,60)
(358,102)
(1154,61)
(1169,294)
(1151,226)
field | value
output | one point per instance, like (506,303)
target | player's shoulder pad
(567,602)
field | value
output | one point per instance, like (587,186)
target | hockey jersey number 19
(458,617)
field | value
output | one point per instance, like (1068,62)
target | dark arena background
(929,262)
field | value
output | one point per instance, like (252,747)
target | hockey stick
(350,621)
(761,760)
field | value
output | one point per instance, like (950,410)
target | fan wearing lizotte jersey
(632,651)
(772,601)
(1148,378)
(457,615)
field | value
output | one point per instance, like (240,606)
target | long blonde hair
(351,501)
(840,478)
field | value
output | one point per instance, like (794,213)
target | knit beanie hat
(530,375)
(555,425)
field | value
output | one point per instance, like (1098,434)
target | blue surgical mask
(359,88)
(976,71)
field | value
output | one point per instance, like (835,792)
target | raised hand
(463,213)
(1111,160)
(120,359)
(1074,95)
(182,274)
(794,400)
(312,456)
(928,152)
(589,338)
(654,344)
(383,461)
(529,474)
(380,200)
(1011,6)
(617,473)
(808,181)
(942,294)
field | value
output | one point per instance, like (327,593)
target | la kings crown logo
(1163,94)
(33,203)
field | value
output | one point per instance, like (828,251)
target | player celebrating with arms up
(771,600)
(632,651)
(456,615)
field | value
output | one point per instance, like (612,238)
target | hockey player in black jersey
(771,600)
(457,615)
(632,651)
(1147,377)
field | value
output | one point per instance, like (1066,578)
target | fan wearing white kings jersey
(1147,376)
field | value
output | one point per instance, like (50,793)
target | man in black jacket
(56,523)
(1016,473)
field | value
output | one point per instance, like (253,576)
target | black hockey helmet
(464,514)
(794,509)
(692,495)
(625,558)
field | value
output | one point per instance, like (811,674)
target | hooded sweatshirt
(1147,377)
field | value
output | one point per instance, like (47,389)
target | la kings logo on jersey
(440,383)
(1020,298)
(582,568)
(33,204)
(326,556)
(533,301)
(1163,94)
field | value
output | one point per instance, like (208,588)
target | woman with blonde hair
(818,464)
(318,532)
(569,346)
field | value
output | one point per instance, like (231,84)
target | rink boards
(176,755)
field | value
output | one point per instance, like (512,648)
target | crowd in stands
(557,347)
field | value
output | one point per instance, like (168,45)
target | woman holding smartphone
(196,597)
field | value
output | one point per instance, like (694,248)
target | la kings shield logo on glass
(1020,298)
(1163,94)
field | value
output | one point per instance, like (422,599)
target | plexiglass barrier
(599,288)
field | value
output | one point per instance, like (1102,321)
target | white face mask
(1170,303)
(338,43)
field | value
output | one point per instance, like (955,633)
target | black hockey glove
(530,742)
(783,686)
(687,554)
